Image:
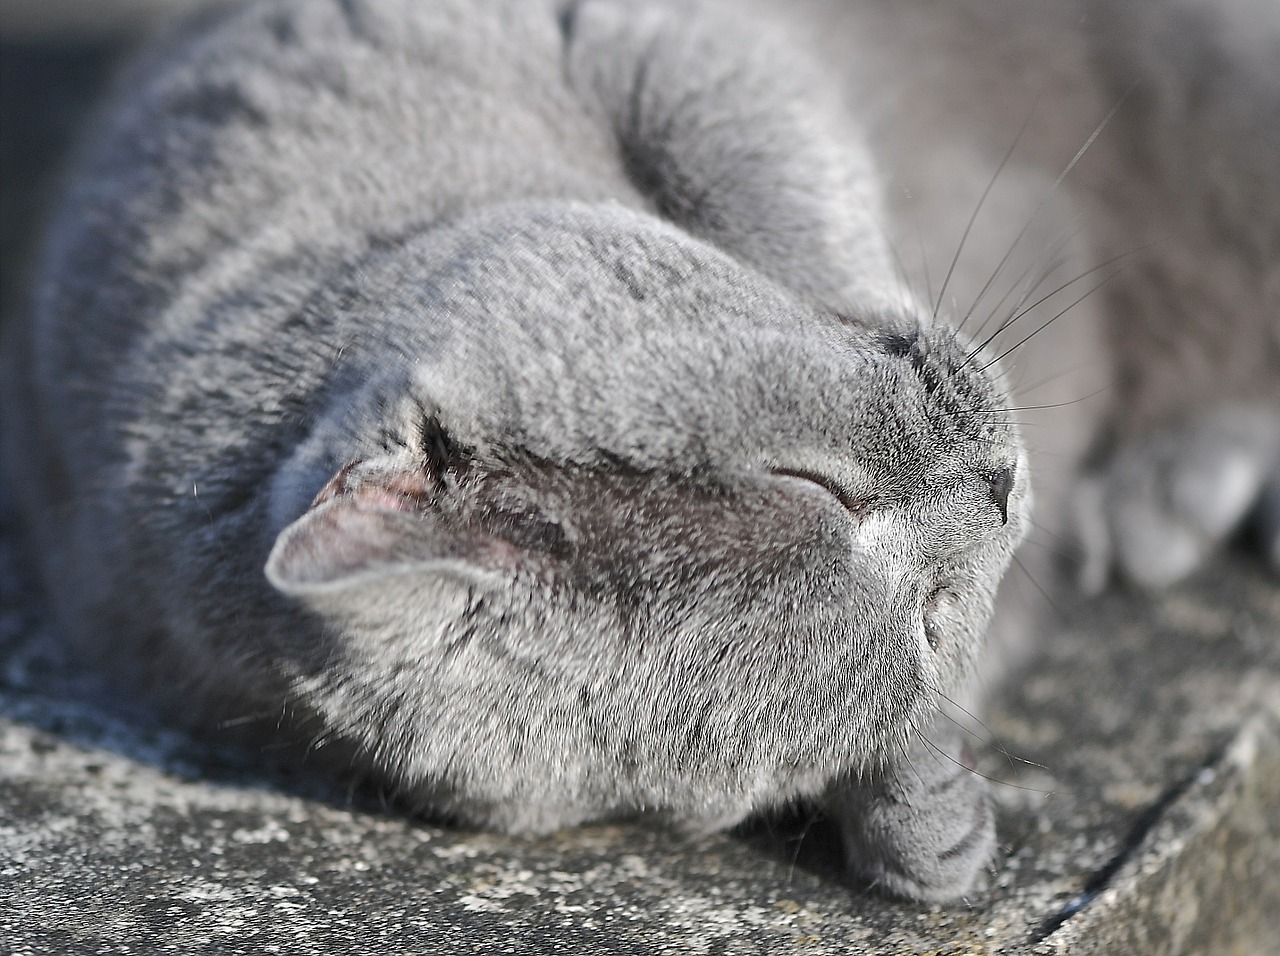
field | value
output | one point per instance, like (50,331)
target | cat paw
(1163,504)
(922,829)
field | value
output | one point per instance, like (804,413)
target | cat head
(620,524)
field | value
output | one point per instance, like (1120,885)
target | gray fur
(525,403)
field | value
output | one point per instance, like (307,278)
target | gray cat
(530,403)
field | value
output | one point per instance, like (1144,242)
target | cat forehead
(573,328)
(759,398)
(554,280)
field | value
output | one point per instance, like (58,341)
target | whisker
(810,816)
(1069,402)
(1044,298)
(1025,288)
(937,305)
(967,712)
(992,739)
(1048,322)
(1020,309)
(1051,260)
(1054,550)
(934,419)
(1052,190)
(904,282)
(924,260)
(1043,593)
(1049,531)
(1072,370)
(906,758)
(977,773)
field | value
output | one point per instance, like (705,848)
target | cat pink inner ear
(395,491)
(348,539)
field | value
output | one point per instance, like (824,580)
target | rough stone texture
(1139,761)
(1151,825)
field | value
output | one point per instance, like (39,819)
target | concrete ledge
(1153,827)
(1203,878)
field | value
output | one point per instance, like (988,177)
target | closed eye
(856,506)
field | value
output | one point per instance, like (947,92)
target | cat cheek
(881,533)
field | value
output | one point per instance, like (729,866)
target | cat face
(629,527)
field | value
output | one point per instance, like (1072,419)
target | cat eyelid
(857,505)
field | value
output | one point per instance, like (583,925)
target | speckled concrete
(1138,760)
(1150,825)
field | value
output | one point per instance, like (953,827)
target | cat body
(527,403)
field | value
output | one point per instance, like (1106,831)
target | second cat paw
(1163,504)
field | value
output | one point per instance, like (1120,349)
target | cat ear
(382,528)
(346,541)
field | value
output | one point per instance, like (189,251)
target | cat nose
(1001,484)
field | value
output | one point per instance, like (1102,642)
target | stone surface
(1147,821)
(1138,761)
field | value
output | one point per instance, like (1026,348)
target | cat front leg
(920,827)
